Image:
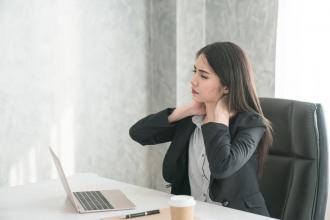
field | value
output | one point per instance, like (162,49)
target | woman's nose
(193,80)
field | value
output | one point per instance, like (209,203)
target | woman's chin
(196,99)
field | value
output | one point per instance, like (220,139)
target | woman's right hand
(189,109)
(197,108)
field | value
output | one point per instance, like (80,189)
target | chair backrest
(295,176)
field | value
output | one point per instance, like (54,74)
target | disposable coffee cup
(182,207)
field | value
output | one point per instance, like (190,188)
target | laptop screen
(62,175)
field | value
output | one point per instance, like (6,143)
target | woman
(219,140)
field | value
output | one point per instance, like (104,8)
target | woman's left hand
(221,111)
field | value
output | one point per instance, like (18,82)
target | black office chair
(295,177)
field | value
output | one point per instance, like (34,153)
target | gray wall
(161,76)
(249,23)
(72,75)
(252,25)
(77,74)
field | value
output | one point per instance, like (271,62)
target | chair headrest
(295,127)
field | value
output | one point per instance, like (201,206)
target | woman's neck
(211,114)
(209,109)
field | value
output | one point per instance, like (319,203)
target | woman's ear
(226,90)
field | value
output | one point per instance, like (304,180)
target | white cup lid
(182,201)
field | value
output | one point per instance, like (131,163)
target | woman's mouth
(194,92)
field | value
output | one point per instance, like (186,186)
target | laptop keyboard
(93,200)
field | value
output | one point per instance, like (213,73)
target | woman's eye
(201,74)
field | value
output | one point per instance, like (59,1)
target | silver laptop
(92,201)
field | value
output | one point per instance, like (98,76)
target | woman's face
(205,83)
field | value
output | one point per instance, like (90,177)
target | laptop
(92,201)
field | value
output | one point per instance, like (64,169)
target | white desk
(47,201)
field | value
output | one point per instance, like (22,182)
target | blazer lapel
(184,132)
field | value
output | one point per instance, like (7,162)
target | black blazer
(231,152)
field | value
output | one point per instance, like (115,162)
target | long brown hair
(234,69)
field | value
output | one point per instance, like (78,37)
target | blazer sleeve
(154,129)
(227,155)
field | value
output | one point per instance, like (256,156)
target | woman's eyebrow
(200,70)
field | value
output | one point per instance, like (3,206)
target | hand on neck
(217,112)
